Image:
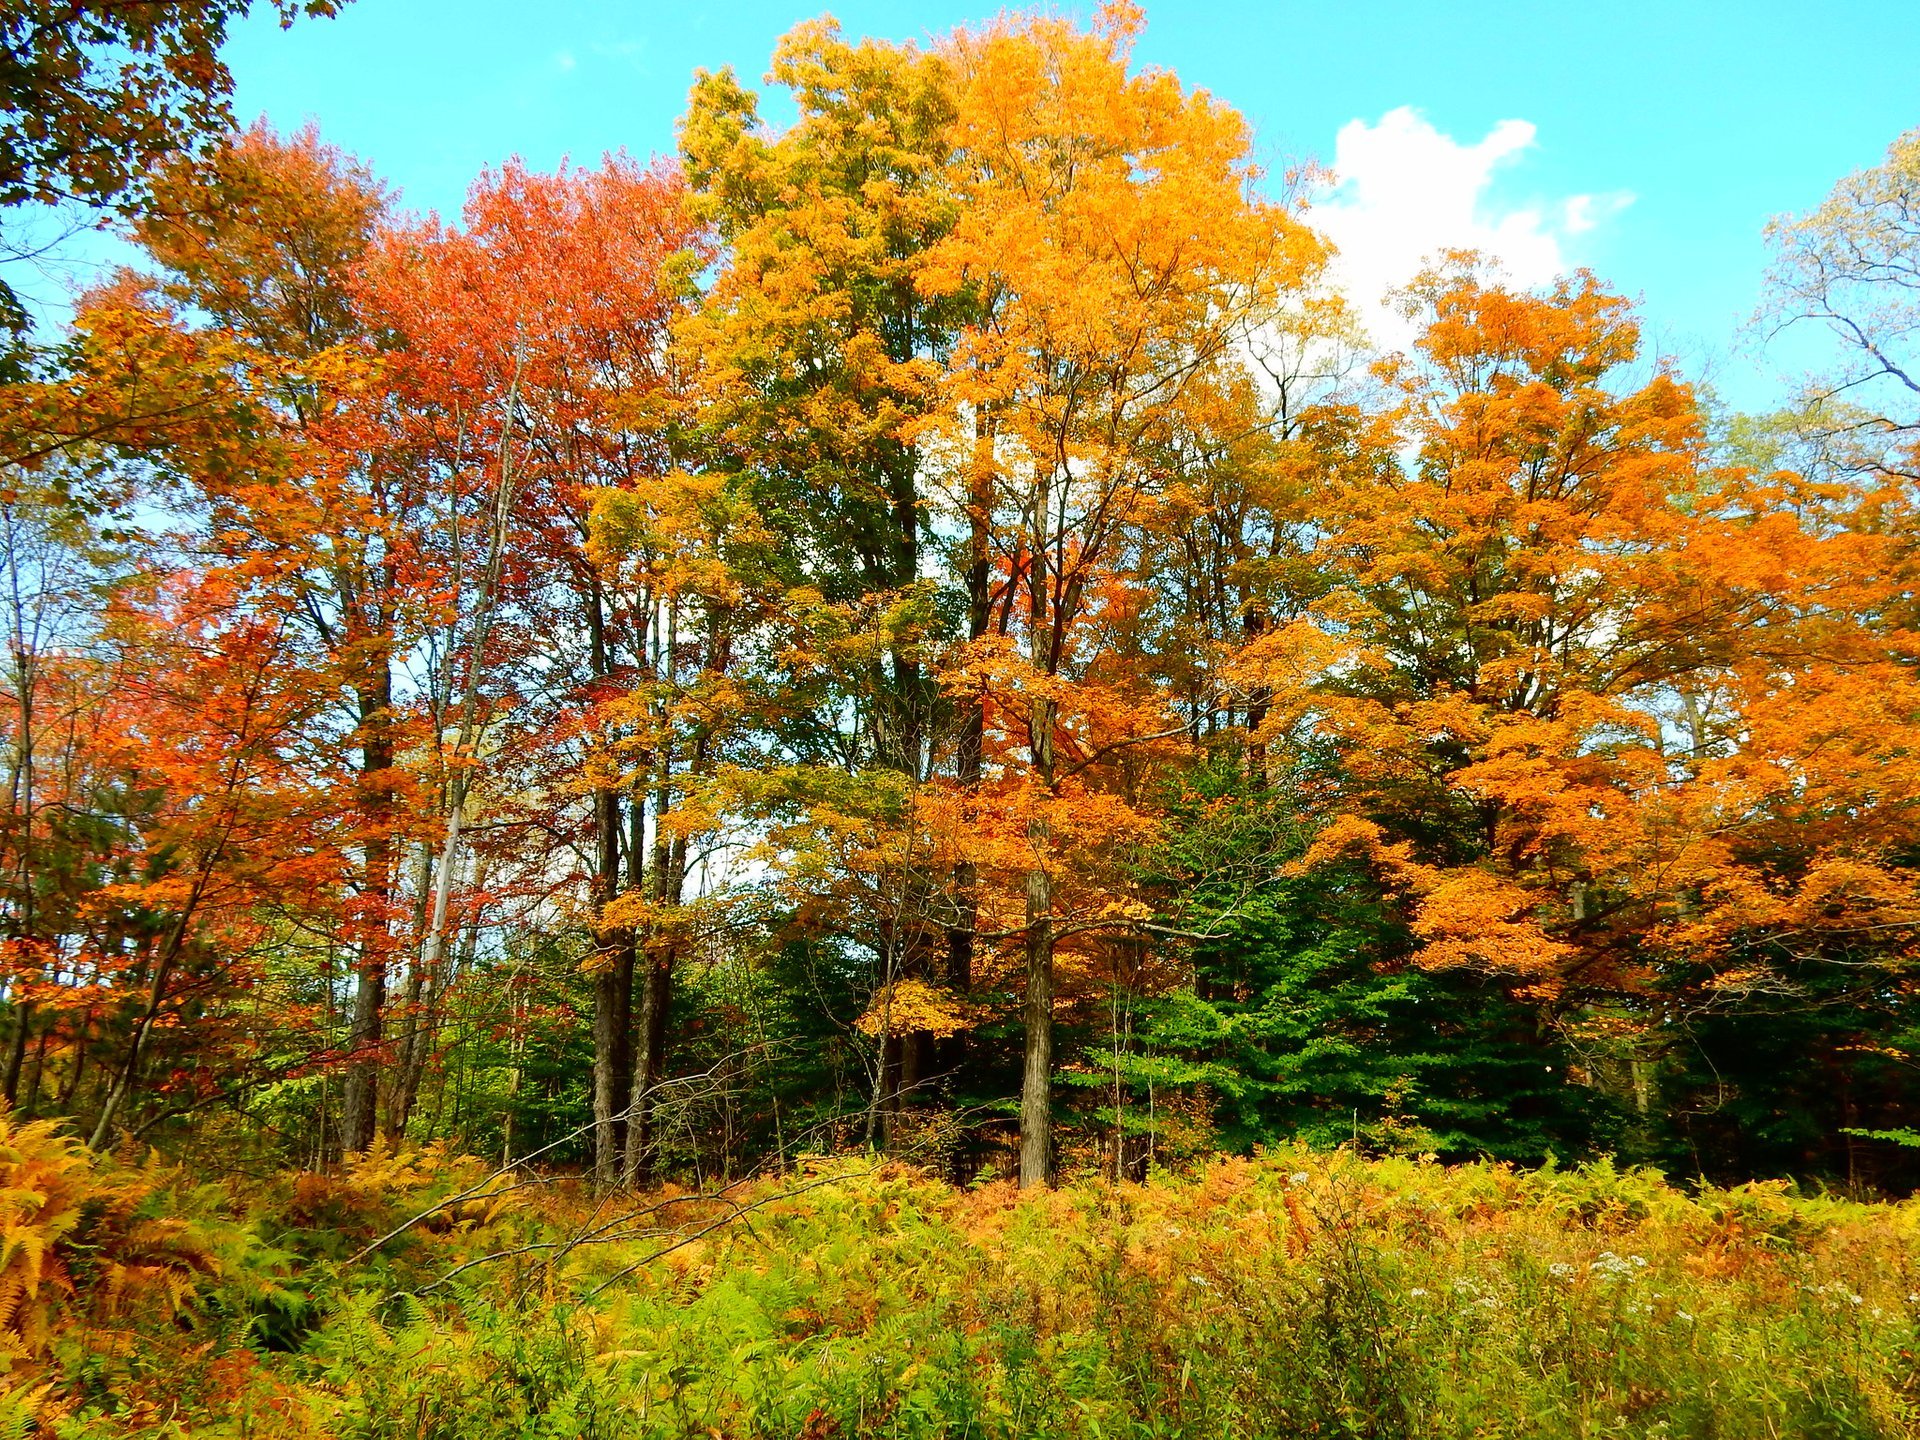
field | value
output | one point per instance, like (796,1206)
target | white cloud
(1405,191)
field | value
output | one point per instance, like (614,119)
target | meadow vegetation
(1294,1293)
(998,822)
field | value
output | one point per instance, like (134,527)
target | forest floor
(1298,1294)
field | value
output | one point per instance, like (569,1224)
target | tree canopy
(928,628)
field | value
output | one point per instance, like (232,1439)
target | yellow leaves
(912,1005)
(1286,664)
(675,533)
(45,1181)
(1845,892)
(139,381)
(634,910)
(1106,216)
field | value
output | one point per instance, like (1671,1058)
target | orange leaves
(1467,917)
(1573,341)
(262,235)
(1839,903)
(1464,916)
(1612,688)
(1288,665)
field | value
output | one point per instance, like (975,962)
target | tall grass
(1296,1295)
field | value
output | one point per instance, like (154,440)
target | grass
(1295,1295)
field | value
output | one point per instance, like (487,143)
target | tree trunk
(656,993)
(129,1075)
(361,1103)
(70,1085)
(32,1102)
(17,1049)
(418,994)
(614,954)
(1036,1084)
(950,1055)
(612,1060)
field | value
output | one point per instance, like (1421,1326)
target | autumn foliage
(930,628)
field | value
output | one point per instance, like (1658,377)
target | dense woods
(883,777)
(931,629)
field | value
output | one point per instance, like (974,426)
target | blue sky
(1684,125)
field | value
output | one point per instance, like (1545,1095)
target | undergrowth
(1299,1294)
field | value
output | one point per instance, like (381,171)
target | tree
(264,243)
(59,578)
(1852,268)
(95,95)
(238,833)
(535,339)
(1596,708)
(1118,255)
(817,352)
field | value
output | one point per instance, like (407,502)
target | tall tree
(1851,267)
(538,334)
(264,242)
(1112,238)
(817,353)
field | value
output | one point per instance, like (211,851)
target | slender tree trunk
(22,796)
(656,990)
(70,1086)
(431,959)
(129,1075)
(365,1028)
(612,1007)
(612,1044)
(17,1049)
(32,1102)
(950,1055)
(614,954)
(654,993)
(1036,1082)
(418,993)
